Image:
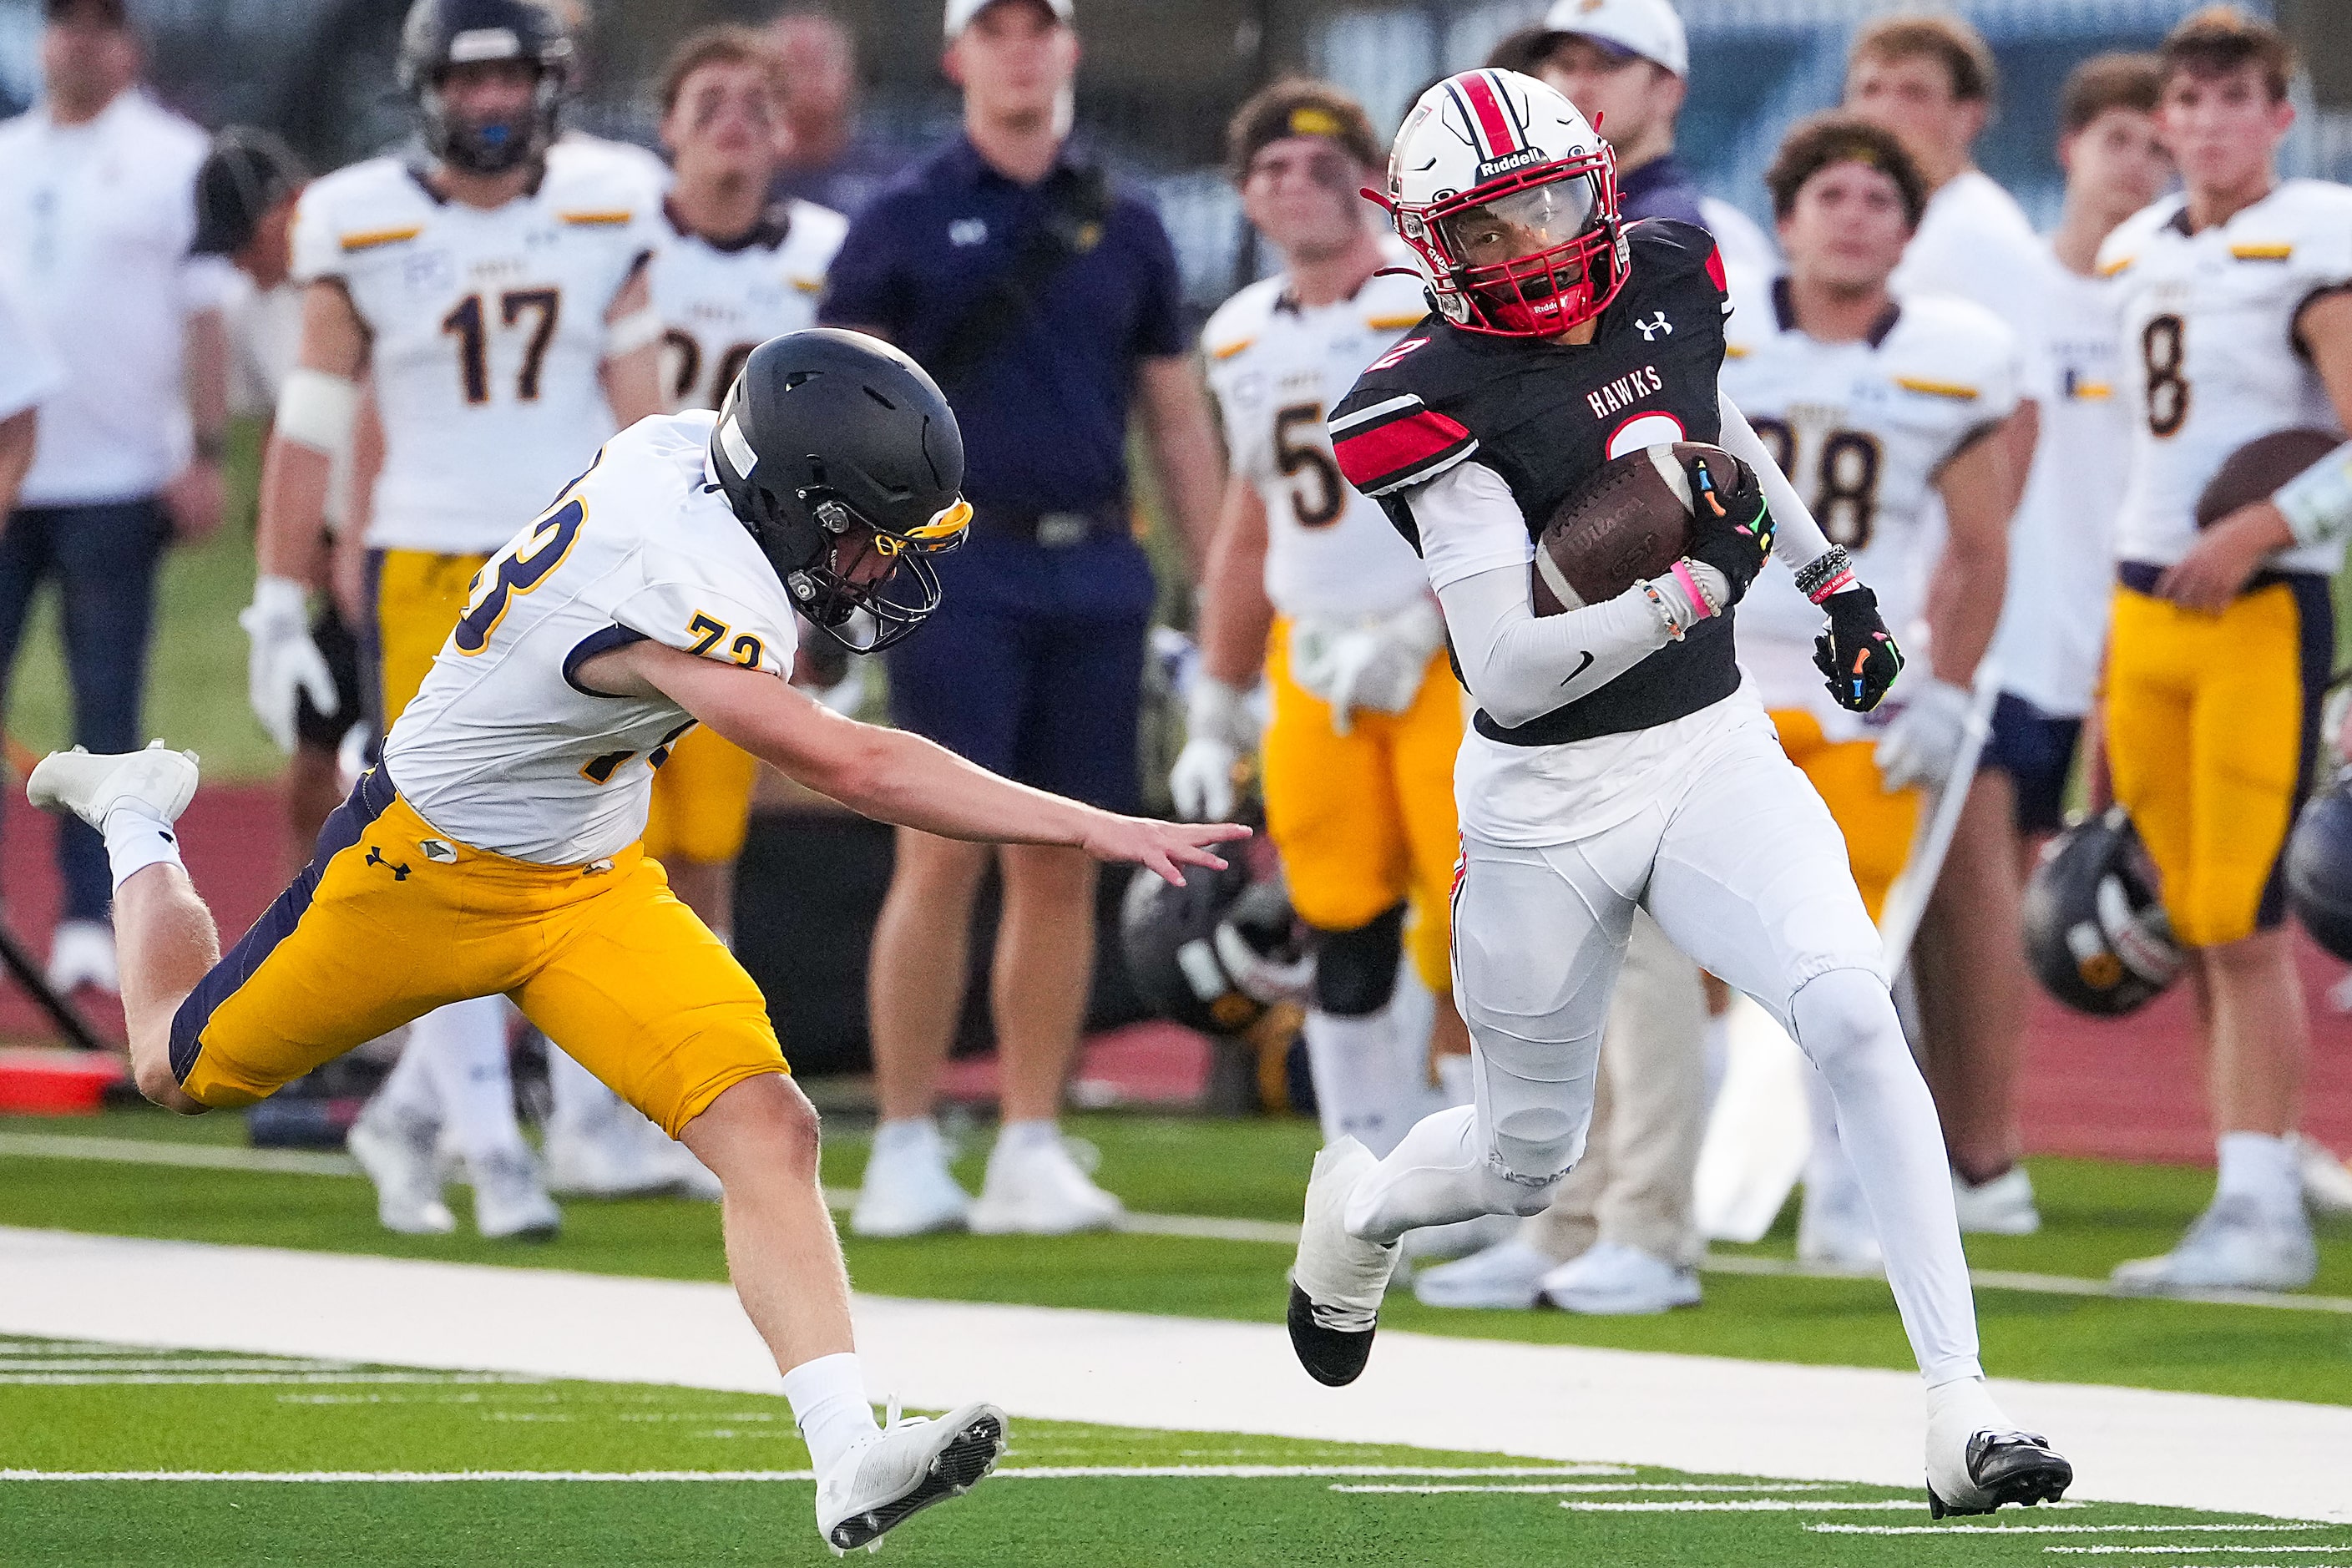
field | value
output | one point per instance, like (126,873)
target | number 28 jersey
(487,332)
(719,302)
(1863,429)
(1277,368)
(2211,354)
(505,749)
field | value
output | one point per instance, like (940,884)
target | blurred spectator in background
(829,160)
(246,193)
(1931,80)
(29,372)
(1047,300)
(96,218)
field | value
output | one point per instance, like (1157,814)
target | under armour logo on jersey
(375,857)
(1650,330)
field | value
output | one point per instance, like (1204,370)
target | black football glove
(1731,528)
(1857,653)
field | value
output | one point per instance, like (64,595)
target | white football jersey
(2061,559)
(719,302)
(487,332)
(502,749)
(1277,369)
(2207,322)
(1862,429)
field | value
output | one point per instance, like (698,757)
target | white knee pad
(1535,1104)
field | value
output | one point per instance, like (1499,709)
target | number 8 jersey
(505,748)
(487,332)
(1277,368)
(1863,429)
(2211,355)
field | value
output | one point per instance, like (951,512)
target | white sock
(1453,1080)
(1038,1132)
(580,1104)
(137,837)
(407,1091)
(828,1400)
(463,1047)
(1363,1090)
(907,1138)
(2258,1167)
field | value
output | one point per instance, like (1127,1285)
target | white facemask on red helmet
(1508,199)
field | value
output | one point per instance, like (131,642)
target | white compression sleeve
(1797,539)
(1519,665)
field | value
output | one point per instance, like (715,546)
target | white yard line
(2058,1530)
(1008,1472)
(1538,1402)
(1208,1228)
(1760,1504)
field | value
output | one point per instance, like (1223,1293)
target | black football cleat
(1337,1280)
(2004,1468)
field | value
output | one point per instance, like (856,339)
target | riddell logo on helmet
(1508,161)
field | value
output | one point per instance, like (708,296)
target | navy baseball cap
(247,173)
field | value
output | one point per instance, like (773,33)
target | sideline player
(2234,300)
(1615,760)
(495,849)
(732,272)
(495,298)
(1307,579)
(1894,419)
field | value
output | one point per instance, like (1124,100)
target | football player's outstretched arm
(633,340)
(888,774)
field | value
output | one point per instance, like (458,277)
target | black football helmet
(832,444)
(2096,935)
(1216,953)
(443,34)
(2319,868)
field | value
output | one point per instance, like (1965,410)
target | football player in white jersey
(732,273)
(1893,415)
(495,298)
(2234,303)
(1307,580)
(495,851)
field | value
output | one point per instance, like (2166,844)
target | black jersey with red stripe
(1545,416)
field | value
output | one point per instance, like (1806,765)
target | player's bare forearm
(1183,448)
(1981,488)
(1235,614)
(2324,328)
(17,433)
(295,472)
(206,373)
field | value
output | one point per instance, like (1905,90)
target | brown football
(1628,522)
(2255,469)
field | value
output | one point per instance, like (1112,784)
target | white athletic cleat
(903,1469)
(908,1189)
(510,1199)
(1507,1277)
(2003,1207)
(606,1158)
(2326,1180)
(1038,1189)
(1434,1243)
(1834,1233)
(398,1153)
(1977,1460)
(2233,1246)
(1338,1279)
(1609,1280)
(82,952)
(90,785)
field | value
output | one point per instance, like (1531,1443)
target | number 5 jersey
(506,748)
(487,331)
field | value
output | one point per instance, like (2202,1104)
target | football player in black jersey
(1615,759)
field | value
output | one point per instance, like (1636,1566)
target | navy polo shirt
(1045,414)
(1663,187)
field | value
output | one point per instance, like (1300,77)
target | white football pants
(1744,871)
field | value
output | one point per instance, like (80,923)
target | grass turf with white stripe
(377,1459)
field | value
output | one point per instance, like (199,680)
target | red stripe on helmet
(1494,119)
(1374,455)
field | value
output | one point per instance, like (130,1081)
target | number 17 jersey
(506,748)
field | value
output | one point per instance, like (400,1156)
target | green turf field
(399,1439)
(2098,1214)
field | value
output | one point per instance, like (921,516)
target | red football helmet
(1508,199)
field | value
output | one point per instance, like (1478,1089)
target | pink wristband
(1703,607)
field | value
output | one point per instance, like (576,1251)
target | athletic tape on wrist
(1826,573)
(318,410)
(632,333)
(2317,502)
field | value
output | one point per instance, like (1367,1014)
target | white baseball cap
(1649,28)
(961,12)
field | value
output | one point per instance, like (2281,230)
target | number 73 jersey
(486,328)
(1863,429)
(506,747)
(2212,350)
(1277,368)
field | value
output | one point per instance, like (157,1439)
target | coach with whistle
(1046,300)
